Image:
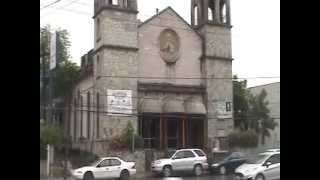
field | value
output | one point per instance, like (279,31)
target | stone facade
(127,55)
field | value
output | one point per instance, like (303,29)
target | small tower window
(196,15)
(224,13)
(210,14)
(114,2)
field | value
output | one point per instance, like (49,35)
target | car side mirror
(267,164)
(98,165)
(174,158)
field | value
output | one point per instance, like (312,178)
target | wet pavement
(190,177)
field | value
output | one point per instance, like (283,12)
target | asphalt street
(189,177)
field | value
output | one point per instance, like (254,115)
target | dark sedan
(228,164)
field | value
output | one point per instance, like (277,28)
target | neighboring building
(273,97)
(172,80)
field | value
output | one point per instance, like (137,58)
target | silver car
(264,166)
(194,160)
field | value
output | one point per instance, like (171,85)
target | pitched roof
(164,10)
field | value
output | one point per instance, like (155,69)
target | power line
(209,116)
(46,6)
(62,7)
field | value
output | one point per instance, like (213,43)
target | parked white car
(105,168)
(264,166)
(194,160)
(273,150)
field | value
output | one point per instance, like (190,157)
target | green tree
(51,134)
(240,104)
(66,73)
(63,45)
(259,117)
(66,76)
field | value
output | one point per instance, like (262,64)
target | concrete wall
(150,62)
(273,96)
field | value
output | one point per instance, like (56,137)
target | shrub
(118,143)
(77,157)
(124,142)
(245,139)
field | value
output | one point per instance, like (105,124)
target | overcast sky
(255,32)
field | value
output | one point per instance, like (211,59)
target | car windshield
(169,154)
(258,159)
(95,163)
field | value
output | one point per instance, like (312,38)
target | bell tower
(211,18)
(210,11)
(115,57)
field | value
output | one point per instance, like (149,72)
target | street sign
(223,109)
(53,50)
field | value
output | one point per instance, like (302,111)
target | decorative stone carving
(169,42)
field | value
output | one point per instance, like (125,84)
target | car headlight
(215,165)
(251,170)
(79,172)
(157,162)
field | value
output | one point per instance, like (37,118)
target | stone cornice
(213,24)
(115,47)
(164,87)
(216,58)
(115,8)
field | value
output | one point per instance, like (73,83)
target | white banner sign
(119,102)
(224,109)
(53,50)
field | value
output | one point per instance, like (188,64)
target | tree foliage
(51,134)
(245,139)
(251,111)
(241,104)
(260,120)
(66,73)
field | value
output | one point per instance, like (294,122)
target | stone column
(217,11)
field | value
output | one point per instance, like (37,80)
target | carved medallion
(169,46)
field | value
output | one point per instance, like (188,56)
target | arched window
(125,3)
(223,13)
(210,14)
(81,116)
(98,113)
(196,15)
(115,2)
(88,115)
(98,66)
(98,31)
(75,119)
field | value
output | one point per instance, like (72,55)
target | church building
(172,80)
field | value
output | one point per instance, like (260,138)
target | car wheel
(166,171)
(259,177)
(198,170)
(124,175)
(88,176)
(222,170)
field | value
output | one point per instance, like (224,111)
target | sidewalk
(134,177)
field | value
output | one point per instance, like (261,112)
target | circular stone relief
(169,46)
